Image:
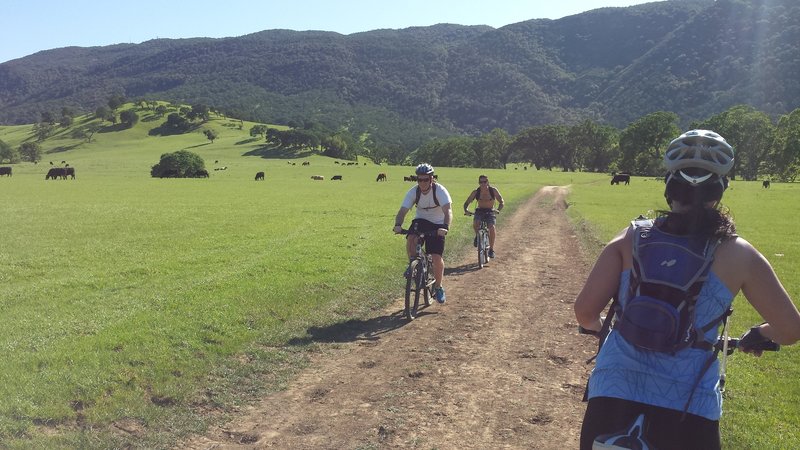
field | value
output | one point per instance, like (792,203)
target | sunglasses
(423,180)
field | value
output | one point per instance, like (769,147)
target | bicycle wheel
(429,280)
(481,248)
(412,292)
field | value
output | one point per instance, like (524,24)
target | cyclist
(486,195)
(629,382)
(433,217)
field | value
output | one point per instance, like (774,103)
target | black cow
(336,177)
(5,171)
(56,172)
(622,177)
(69,172)
(260,176)
(381,177)
(765,183)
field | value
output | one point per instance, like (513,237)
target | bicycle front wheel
(412,290)
(482,246)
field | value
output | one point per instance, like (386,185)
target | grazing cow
(435,177)
(317,177)
(381,177)
(56,172)
(69,172)
(411,178)
(5,171)
(336,177)
(764,184)
(622,177)
(306,163)
(202,173)
(260,176)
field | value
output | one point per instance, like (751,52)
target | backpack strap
(419,194)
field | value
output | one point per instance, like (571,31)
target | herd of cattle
(66,172)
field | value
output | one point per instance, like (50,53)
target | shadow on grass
(353,330)
(248,141)
(270,152)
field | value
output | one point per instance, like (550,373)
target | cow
(260,176)
(5,171)
(69,172)
(622,177)
(317,177)
(56,172)
(306,163)
(381,177)
(765,184)
(411,178)
(336,177)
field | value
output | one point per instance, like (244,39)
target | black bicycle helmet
(699,156)
(424,169)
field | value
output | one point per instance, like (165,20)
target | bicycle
(420,278)
(482,239)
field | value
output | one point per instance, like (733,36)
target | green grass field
(151,302)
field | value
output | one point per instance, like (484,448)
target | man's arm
(470,199)
(448,219)
(499,199)
(399,219)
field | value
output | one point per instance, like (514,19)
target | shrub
(180,164)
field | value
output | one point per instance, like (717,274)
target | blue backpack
(668,274)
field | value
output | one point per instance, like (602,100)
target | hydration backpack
(668,274)
(478,193)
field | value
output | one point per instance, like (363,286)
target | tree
(641,144)
(180,164)
(129,118)
(8,153)
(258,130)
(103,113)
(210,135)
(491,149)
(43,130)
(161,110)
(597,145)
(785,154)
(199,111)
(177,123)
(115,101)
(30,151)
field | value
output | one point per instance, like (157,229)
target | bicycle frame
(483,241)
(420,279)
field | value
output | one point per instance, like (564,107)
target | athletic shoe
(440,295)
(491,253)
(407,273)
(475,242)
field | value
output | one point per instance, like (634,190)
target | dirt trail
(498,366)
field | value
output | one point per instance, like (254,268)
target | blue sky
(28,26)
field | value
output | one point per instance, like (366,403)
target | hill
(693,57)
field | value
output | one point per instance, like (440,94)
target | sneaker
(439,294)
(491,253)
(475,242)
(407,273)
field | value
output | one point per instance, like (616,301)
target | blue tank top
(661,379)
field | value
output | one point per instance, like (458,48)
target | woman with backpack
(659,392)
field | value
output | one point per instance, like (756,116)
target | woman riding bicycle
(676,396)
(433,217)
(486,195)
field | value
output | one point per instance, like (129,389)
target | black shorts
(665,429)
(434,244)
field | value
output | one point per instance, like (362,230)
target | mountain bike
(482,239)
(419,278)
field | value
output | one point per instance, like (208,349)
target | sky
(29,26)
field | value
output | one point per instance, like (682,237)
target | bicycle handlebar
(472,213)
(733,344)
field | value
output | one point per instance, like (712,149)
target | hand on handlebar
(752,341)
(398,229)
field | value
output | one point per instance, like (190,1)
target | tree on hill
(103,113)
(115,101)
(210,135)
(129,118)
(30,151)
(180,164)
(8,153)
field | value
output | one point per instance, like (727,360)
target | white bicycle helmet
(424,169)
(699,149)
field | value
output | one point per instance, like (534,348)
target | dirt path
(498,366)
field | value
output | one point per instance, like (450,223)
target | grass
(761,393)
(158,306)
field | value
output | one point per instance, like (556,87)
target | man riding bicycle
(433,218)
(486,195)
